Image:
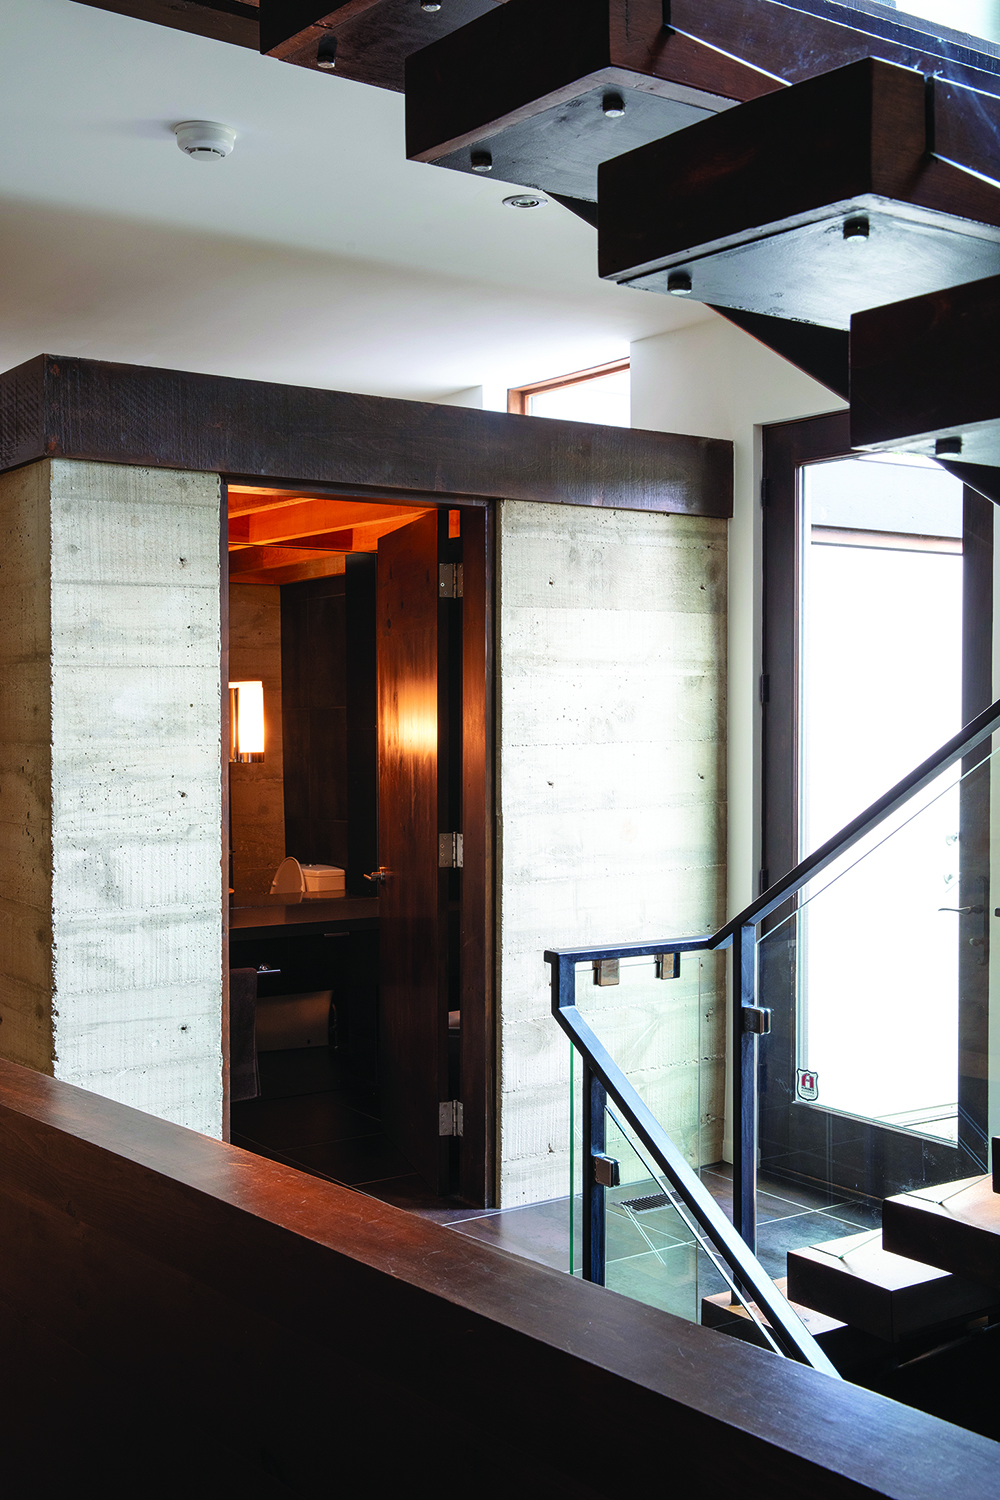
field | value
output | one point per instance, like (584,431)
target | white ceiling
(316,254)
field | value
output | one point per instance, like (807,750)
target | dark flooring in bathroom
(311,1116)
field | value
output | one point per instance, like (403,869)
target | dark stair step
(814,202)
(524,86)
(925,377)
(857,1280)
(955,1226)
(850,1349)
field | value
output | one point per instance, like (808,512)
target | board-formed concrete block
(110,850)
(611,751)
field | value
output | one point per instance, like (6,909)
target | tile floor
(310,1117)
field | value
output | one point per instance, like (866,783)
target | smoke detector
(205,140)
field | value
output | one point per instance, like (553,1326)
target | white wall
(713,380)
(110,863)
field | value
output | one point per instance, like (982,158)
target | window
(601,394)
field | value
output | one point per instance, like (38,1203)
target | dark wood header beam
(132,414)
(175,1303)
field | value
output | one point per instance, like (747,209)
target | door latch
(449,851)
(450,1119)
(449,580)
(756,1020)
(379,876)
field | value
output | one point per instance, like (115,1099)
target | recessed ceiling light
(679,283)
(430,6)
(526,200)
(205,140)
(613,106)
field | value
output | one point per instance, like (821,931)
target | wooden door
(413,1009)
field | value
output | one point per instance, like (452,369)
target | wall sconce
(246,722)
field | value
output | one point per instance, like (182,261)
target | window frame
(519,396)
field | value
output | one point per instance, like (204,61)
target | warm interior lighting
(246,721)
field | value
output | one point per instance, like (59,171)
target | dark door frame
(801,1141)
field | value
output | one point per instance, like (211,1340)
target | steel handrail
(786,1327)
(814,864)
(736,1243)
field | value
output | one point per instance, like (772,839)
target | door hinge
(449,580)
(765,490)
(764,687)
(756,1020)
(450,1117)
(449,851)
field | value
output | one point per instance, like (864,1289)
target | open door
(413,1010)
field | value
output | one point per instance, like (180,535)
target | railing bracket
(756,1020)
(607,1172)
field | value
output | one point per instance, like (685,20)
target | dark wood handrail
(205,1307)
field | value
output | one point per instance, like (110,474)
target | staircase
(826,176)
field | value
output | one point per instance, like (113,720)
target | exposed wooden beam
(317,518)
(284,565)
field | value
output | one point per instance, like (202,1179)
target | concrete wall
(712,380)
(612,632)
(257,809)
(110,879)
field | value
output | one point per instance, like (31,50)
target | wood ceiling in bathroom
(284,536)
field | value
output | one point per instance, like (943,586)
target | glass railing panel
(667,1034)
(656,1251)
(877,1075)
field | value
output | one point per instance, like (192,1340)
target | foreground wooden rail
(180,1317)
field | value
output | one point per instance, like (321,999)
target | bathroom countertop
(250,915)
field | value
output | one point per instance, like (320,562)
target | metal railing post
(744,1086)
(595,1219)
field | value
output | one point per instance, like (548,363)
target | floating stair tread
(890,1296)
(719,1310)
(925,369)
(850,1349)
(750,208)
(955,1226)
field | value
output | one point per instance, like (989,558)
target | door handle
(379,876)
(961,909)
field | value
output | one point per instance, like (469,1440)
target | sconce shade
(246,721)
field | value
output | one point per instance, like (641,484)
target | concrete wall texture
(257,807)
(612,811)
(110,878)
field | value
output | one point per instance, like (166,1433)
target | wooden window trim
(519,396)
